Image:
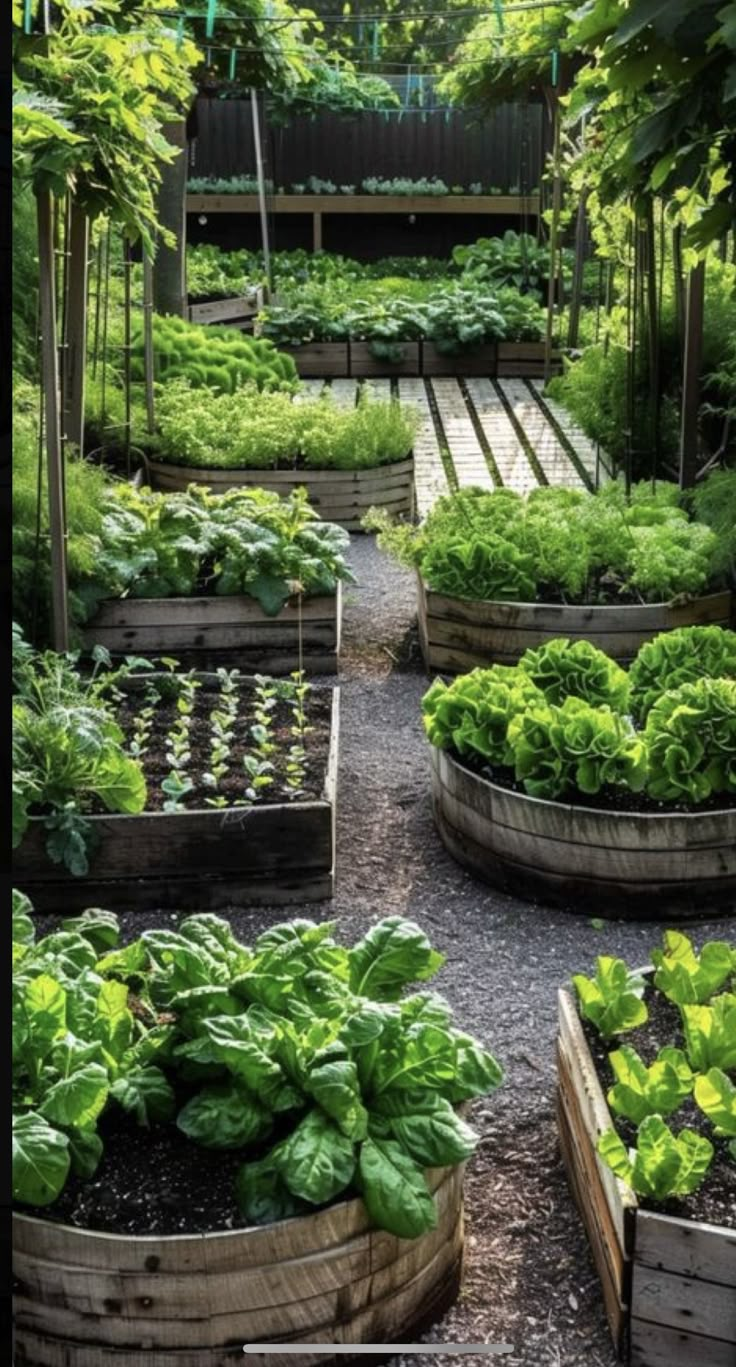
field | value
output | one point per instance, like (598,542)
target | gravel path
(529,1278)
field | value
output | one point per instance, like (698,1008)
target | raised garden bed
(669,1283)
(320,360)
(230,629)
(481,361)
(626,863)
(364,363)
(341,496)
(244,306)
(84,1297)
(457,634)
(525,359)
(199,858)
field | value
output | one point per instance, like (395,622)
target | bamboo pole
(576,295)
(75,354)
(554,234)
(691,376)
(50,378)
(261,186)
(148,338)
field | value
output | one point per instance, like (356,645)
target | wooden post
(55,465)
(554,233)
(148,338)
(169,276)
(76,349)
(691,375)
(316,232)
(577,275)
(261,185)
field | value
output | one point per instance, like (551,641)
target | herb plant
(307,1057)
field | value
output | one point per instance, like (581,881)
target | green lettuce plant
(215,356)
(640,1091)
(562,669)
(612,1000)
(690,736)
(663,1164)
(685,976)
(491,568)
(557,749)
(677,657)
(472,714)
(710,1033)
(715,1094)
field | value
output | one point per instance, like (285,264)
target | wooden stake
(576,295)
(261,186)
(75,355)
(50,377)
(691,376)
(148,338)
(169,277)
(554,233)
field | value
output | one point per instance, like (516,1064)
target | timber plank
(689,1247)
(654,1345)
(700,1307)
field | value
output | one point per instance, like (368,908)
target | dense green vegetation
(562,545)
(218,356)
(559,723)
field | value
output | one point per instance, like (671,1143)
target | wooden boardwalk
(489,433)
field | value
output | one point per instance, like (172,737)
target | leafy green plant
(512,259)
(663,1164)
(612,1000)
(715,1094)
(214,356)
(266,431)
(491,568)
(561,669)
(685,976)
(77,1049)
(714,502)
(677,657)
(710,1033)
(316,1049)
(68,751)
(560,748)
(690,735)
(641,1091)
(472,714)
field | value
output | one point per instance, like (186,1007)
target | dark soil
(529,1276)
(715,1201)
(607,800)
(232,786)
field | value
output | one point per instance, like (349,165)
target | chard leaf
(114,1023)
(425,1058)
(44,1003)
(395,1190)
(146,1093)
(393,953)
(710,1033)
(716,1096)
(428,1128)
(223,1117)
(317,1161)
(663,1164)
(40,1160)
(686,977)
(100,927)
(78,1099)
(611,1000)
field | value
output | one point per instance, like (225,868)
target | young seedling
(222,722)
(178,752)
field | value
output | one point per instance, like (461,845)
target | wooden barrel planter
(341,496)
(196,860)
(86,1299)
(626,864)
(669,1284)
(457,634)
(230,630)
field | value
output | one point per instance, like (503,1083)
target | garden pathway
(483,432)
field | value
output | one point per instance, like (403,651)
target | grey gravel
(529,1278)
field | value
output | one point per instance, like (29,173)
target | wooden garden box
(669,1284)
(525,359)
(482,361)
(341,496)
(273,852)
(628,864)
(236,308)
(320,360)
(364,363)
(230,630)
(457,634)
(87,1299)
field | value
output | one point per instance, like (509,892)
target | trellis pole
(54,460)
(148,338)
(554,233)
(261,186)
(75,353)
(691,375)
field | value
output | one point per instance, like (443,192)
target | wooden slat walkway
(430,479)
(540,435)
(344,392)
(507,449)
(584,448)
(468,458)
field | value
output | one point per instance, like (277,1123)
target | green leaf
(642,1091)
(393,953)
(23,928)
(716,1096)
(611,1000)
(317,1161)
(85,1151)
(40,1160)
(262,1195)
(100,927)
(223,1117)
(44,1001)
(78,1099)
(710,1033)
(684,976)
(428,1128)
(335,1086)
(146,1093)
(663,1164)
(395,1190)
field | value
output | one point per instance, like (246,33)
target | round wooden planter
(86,1299)
(341,496)
(629,864)
(457,634)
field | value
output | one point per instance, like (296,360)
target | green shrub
(677,657)
(714,502)
(204,355)
(579,670)
(690,735)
